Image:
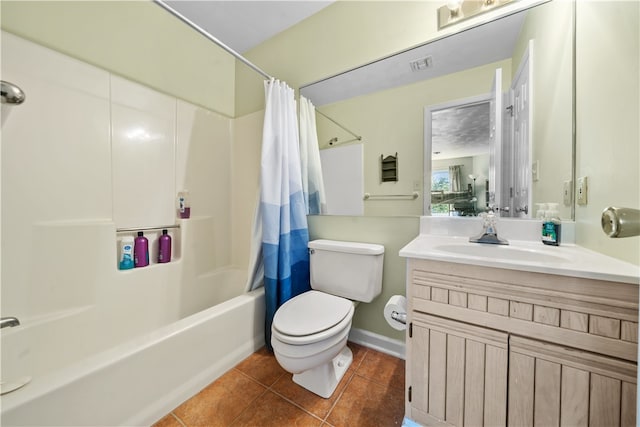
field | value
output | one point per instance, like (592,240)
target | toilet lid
(310,313)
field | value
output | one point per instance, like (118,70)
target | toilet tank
(346,269)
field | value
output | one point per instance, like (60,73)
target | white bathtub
(141,380)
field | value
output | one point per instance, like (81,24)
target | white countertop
(523,255)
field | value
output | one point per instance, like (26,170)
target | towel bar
(412,196)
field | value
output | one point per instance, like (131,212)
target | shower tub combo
(144,377)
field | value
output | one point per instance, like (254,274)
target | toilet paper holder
(395,312)
(400,317)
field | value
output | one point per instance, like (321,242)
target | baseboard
(378,342)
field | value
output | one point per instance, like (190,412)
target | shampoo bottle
(164,247)
(126,253)
(184,205)
(141,250)
(551,226)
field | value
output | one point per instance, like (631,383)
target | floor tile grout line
(271,389)
(248,406)
(324,420)
(257,380)
(178,419)
(283,397)
(344,390)
(373,380)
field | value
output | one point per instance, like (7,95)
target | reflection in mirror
(459,143)
(387,101)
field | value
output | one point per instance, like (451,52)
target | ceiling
(241,24)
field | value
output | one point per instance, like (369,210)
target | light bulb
(454,5)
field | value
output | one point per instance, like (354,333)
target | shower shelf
(134,229)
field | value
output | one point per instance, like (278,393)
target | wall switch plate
(535,171)
(567,193)
(581,191)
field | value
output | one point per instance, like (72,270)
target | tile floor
(259,393)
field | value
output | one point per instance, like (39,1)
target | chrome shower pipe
(205,33)
(11,94)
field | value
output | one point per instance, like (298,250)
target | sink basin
(499,252)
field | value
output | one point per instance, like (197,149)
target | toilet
(309,332)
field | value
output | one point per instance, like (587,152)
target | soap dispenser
(551,226)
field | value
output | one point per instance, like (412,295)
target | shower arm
(11,94)
(9,322)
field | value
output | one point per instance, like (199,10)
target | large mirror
(481,118)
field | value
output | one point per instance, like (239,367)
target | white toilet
(309,332)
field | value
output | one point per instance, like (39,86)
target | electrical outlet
(581,191)
(567,193)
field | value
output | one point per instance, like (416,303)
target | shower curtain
(312,183)
(285,235)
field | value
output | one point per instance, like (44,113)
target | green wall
(342,36)
(607,125)
(137,40)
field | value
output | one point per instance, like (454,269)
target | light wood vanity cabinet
(497,347)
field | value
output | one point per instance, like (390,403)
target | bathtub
(142,379)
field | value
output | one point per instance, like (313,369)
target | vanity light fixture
(458,10)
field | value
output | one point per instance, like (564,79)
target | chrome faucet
(9,322)
(490,232)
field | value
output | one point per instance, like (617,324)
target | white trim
(378,342)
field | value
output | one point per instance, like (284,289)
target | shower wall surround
(91,152)
(143,147)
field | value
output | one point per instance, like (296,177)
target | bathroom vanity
(519,335)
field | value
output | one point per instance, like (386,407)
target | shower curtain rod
(357,137)
(202,31)
(239,57)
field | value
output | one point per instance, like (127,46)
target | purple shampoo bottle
(164,247)
(141,250)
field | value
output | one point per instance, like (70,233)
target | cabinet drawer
(587,314)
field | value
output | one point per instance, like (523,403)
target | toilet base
(324,379)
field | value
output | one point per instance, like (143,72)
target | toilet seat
(311,317)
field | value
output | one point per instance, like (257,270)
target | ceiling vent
(421,64)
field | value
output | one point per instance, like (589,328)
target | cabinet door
(550,385)
(459,373)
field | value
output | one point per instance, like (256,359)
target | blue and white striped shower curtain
(285,234)
(312,182)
